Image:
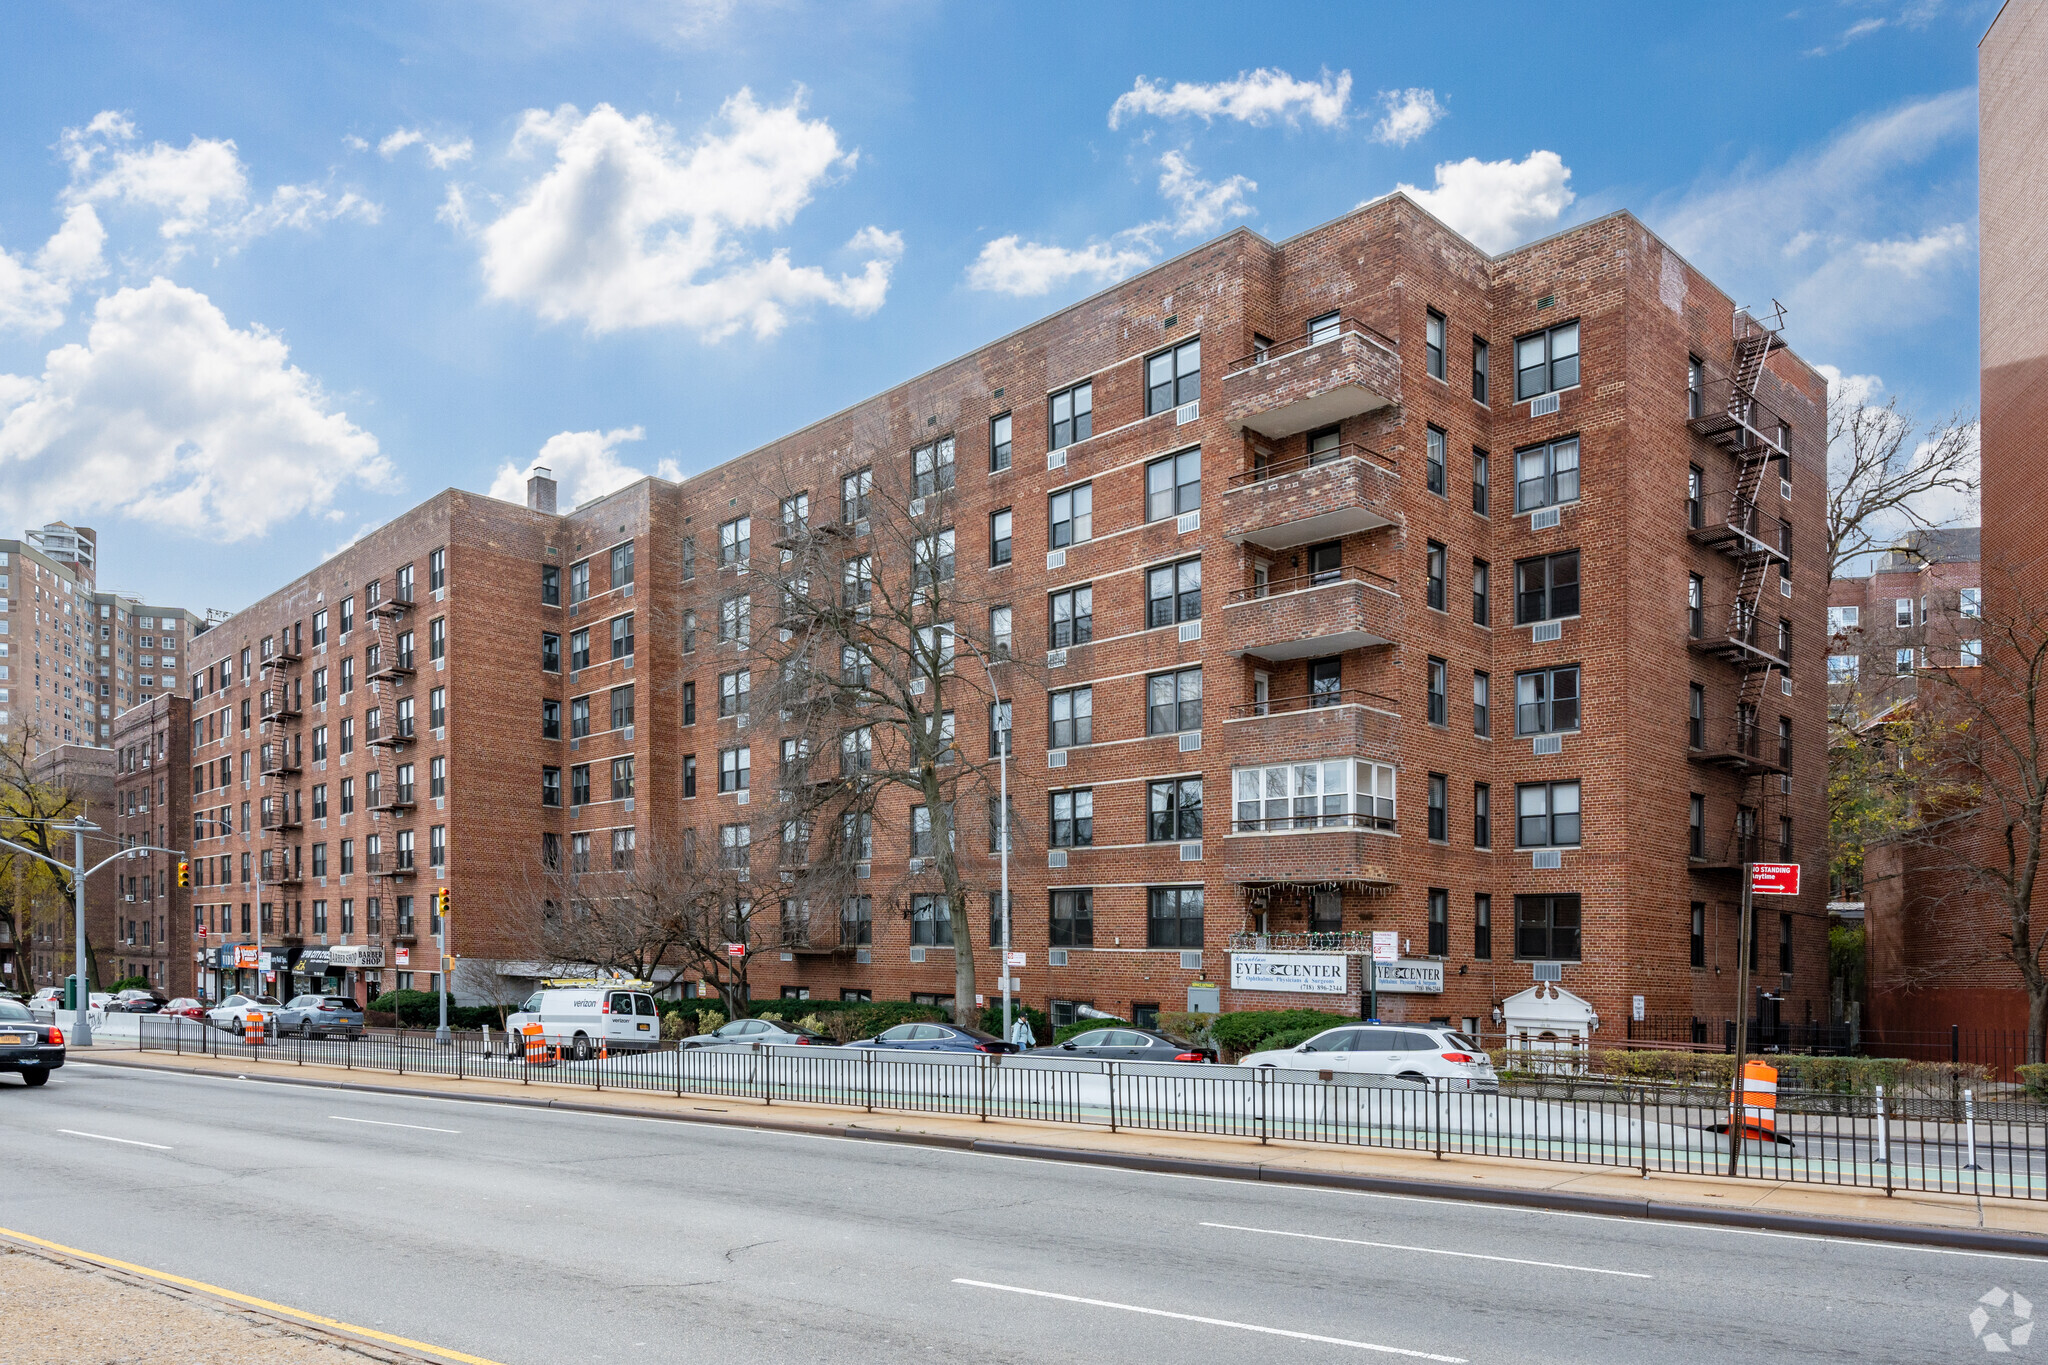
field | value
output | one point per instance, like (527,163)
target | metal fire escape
(281,751)
(390,681)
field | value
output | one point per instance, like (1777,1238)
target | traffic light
(184,873)
(442,900)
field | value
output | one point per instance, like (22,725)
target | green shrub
(1844,1076)
(1286,1038)
(710,1021)
(2034,1076)
(129,983)
(992,1019)
(1081,1026)
(672,1024)
(1233,1035)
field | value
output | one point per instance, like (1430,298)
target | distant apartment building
(152,931)
(1504,647)
(1921,606)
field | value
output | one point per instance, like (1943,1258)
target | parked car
(186,1007)
(45,1003)
(935,1038)
(579,1019)
(233,1013)
(31,1050)
(317,1016)
(768,1032)
(1126,1044)
(136,1002)
(1410,1052)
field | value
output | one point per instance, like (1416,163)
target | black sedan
(28,1049)
(935,1038)
(1126,1044)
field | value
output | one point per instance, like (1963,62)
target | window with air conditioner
(1547,927)
(1073,818)
(1173,485)
(931,922)
(1072,715)
(854,491)
(1173,377)
(735,542)
(1547,475)
(1173,917)
(1547,361)
(1547,588)
(735,769)
(1070,516)
(999,442)
(1173,593)
(932,467)
(1073,919)
(1547,701)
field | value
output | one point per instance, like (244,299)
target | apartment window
(1439,808)
(931,921)
(689,774)
(437,708)
(320,801)
(735,619)
(1482,815)
(1695,605)
(937,643)
(735,847)
(999,443)
(1482,927)
(550,719)
(856,921)
(1547,815)
(319,743)
(1547,475)
(735,769)
(1785,943)
(622,707)
(319,685)
(1481,467)
(1072,714)
(1071,516)
(550,652)
(932,467)
(348,797)
(437,638)
(1479,369)
(1073,818)
(1482,613)
(1325,682)
(999,632)
(622,778)
(1173,593)
(1173,701)
(1695,507)
(857,584)
(1437,689)
(1435,462)
(999,537)
(1902,612)
(1547,927)
(622,564)
(550,787)
(1173,485)
(1072,416)
(1696,717)
(857,751)
(735,692)
(624,842)
(1173,917)
(437,775)
(1439,922)
(1842,620)
(854,491)
(1547,361)
(319,629)
(1971,605)
(1785,838)
(579,718)
(1312,795)
(1436,570)
(1696,826)
(1695,386)
(579,582)
(622,636)
(1433,344)
(1073,919)
(1699,934)
(319,860)
(735,542)
(1970,653)
(1547,588)
(1174,377)
(1785,742)
(1784,639)
(1482,709)
(1174,809)
(1902,661)
(348,738)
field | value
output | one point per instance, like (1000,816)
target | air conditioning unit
(1191,960)
(744,874)
(1055,658)
(1190,741)
(917,954)
(863,956)
(742,798)
(861,870)
(1187,412)
(739,721)
(1188,521)
(1785,489)
(1785,784)
(788,556)
(1056,858)
(917,687)
(916,866)
(789,957)
(1545,632)
(1545,518)
(1547,860)
(1055,559)
(1056,459)
(1546,971)
(629,732)
(860,528)
(917,507)
(1055,758)
(1191,853)
(1544,406)
(1547,744)
(783,634)
(1190,631)
(1056,957)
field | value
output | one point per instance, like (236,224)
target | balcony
(279,760)
(1309,498)
(1312,381)
(1311,615)
(1349,721)
(1318,850)
(1739,535)
(1734,421)
(1745,749)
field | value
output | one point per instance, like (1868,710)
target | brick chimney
(540,490)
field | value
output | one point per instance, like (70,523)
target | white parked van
(579,1017)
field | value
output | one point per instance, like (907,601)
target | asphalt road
(527,1237)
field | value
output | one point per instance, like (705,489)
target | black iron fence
(2001,1050)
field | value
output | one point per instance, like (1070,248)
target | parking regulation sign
(1774,879)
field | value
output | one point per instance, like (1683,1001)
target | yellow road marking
(266,1305)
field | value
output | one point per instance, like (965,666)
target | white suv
(1414,1052)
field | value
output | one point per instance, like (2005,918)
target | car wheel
(35,1078)
(305,1028)
(1413,1076)
(580,1049)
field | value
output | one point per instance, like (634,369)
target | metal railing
(1899,1143)
(1318,701)
(1304,582)
(1260,473)
(1280,350)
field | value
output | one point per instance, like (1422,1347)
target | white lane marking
(1433,1251)
(130,1142)
(1213,1322)
(419,1127)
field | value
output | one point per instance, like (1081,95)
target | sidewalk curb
(1914,1234)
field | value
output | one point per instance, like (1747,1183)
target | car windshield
(17,1013)
(974,1033)
(1465,1041)
(341,1001)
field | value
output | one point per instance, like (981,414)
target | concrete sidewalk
(2003,1225)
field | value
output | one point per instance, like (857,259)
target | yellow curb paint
(264,1304)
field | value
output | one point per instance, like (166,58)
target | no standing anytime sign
(1774,879)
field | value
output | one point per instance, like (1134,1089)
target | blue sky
(270,274)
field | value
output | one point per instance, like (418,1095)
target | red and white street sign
(1774,879)
(735,950)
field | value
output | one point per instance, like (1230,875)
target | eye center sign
(1329,974)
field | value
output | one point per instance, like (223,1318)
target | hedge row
(422,1009)
(1234,1035)
(1819,1075)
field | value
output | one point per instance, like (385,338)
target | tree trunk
(965,1012)
(2037,1020)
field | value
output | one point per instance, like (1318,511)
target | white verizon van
(579,1017)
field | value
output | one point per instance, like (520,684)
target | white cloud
(33,296)
(354,143)
(1010,265)
(1849,388)
(1408,115)
(454,211)
(1498,204)
(1850,231)
(631,227)
(442,154)
(585,463)
(166,412)
(1913,14)
(1200,205)
(1255,97)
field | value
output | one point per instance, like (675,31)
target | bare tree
(1883,474)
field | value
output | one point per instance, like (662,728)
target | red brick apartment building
(1497,649)
(1921,606)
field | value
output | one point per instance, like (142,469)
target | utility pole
(1744,932)
(442,936)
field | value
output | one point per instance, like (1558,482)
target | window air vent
(1544,632)
(1785,489)
(1055,658)
(1056,459)
(1547,971)
(863,956)
(1191,960)
(789,957)
(860,528)
(1056,758)
(916,866)
(1191,853)
(1056,858)
(629,732)
(1544,406)
(917,687)
(1190,631)
(1547,860)
(917,954)
(574,745)
(917,507)
(1545,518)
(1187,412)
(783,634)
(741,798)
(1188,521)
(1547,744)
(861,870)
(740,721)
(1055,559)
(1056,957)
(1191,741)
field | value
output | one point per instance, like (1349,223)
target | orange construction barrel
(252,1027)
(1757,1094)
(536,1050)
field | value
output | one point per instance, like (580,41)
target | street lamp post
(1003,824)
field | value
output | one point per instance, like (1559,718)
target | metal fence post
(1642,1132)
(985,1064)
(1437,1121)
(1884,1158)
(1261,1097)
(767,1074)
(458,1057)
(867,1079)
(678,1055)
(1110,1070)
(398,1036)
